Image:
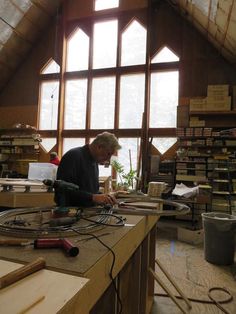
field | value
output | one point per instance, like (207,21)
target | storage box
(218,90)
(197,104)
(41,171)
(190,236)
(218,103)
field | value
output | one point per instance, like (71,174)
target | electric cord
(120,221)
(112,264)
(211,301)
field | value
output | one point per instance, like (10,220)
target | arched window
(133,44)
(77,51)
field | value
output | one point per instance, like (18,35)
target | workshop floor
(186,265)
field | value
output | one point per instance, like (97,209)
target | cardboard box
(217,104)
(218,90)
(197,104)
(190,236)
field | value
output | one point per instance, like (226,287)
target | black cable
(118,224)
(112,264)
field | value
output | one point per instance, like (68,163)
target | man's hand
(104,199)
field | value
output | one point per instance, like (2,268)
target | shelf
(206,113)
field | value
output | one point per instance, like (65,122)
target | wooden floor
(194,275)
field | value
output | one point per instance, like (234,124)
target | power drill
(62,187)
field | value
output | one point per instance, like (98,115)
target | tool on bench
(62,243)
(62,187)
(65,244)
(22,272)
(122,208)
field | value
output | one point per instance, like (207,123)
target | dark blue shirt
(78,166)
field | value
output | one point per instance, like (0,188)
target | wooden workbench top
(90,250)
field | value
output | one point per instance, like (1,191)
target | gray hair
(107,140)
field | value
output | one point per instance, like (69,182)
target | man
(80,166)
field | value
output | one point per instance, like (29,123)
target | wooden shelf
(205,113)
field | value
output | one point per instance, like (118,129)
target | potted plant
(126,179)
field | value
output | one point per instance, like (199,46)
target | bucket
(219,237)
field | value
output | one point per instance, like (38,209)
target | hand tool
(63,187)
(63,243)
(22,272)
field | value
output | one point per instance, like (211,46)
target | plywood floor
(186,264)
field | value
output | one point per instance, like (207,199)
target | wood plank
(45,286)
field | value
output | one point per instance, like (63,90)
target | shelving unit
(18,147)
(206,157)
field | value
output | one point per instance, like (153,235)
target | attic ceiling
(215,19)
(23,21)
(21,24)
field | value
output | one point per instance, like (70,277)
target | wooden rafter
(41,8)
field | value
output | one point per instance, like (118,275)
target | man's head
(104,146)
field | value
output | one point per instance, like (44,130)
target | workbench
(134,248)
(24,193)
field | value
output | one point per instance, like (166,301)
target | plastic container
(41,171)
(219,237)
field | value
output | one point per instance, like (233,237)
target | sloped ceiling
(23,21)
(215,19)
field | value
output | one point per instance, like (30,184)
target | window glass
(104,171)
(75,104)
(133,45)
(51,67)
(162,144)
(165,55)
(106,4)
(69,143)
(105,44)
(131,100)
(128,154)
(48,143)
(103,103)
(49,105)
(164,99)
(78,52)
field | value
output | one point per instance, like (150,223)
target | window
(133,49)
(77,52)
(106,87)
(165,55)
(131,100)
(106,4)
(69,143)
(162,144)
(48,143)
(103,103)
(164,99)
(105,44)
(75,104)
(51,67)
(49,105)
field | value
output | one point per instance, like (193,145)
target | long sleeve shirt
(78,166)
